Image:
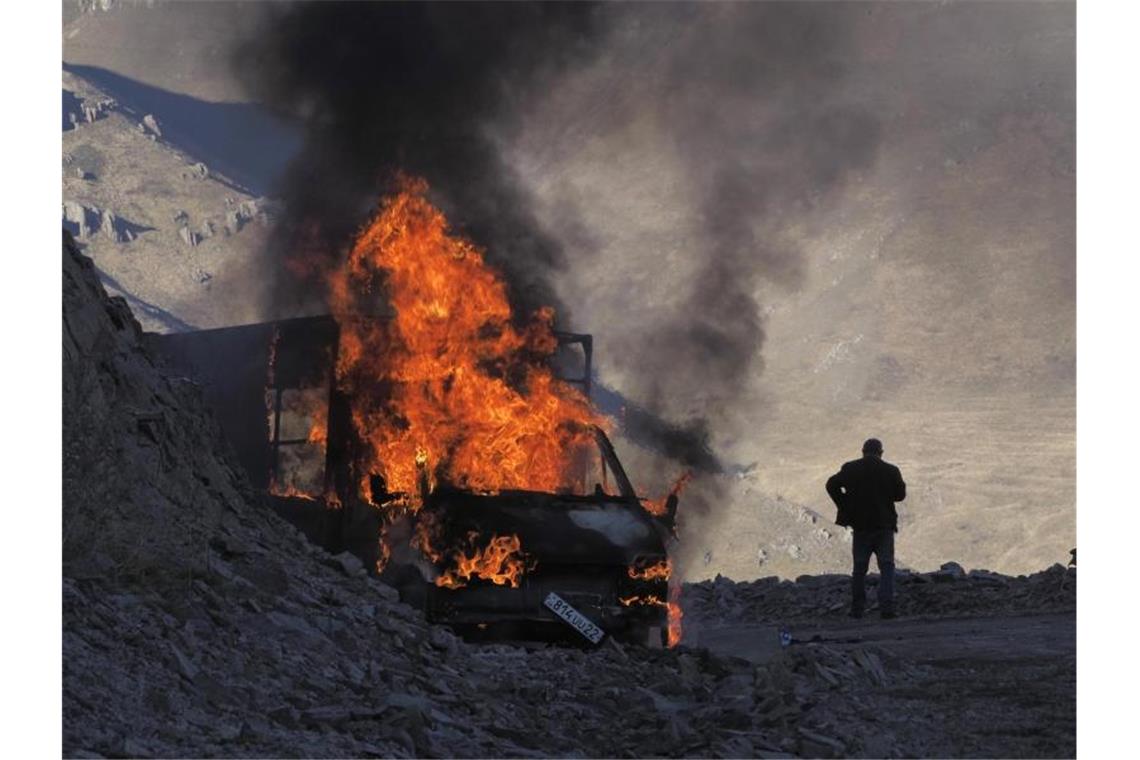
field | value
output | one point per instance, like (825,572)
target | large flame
(500,562)
(448,378)
(447,387)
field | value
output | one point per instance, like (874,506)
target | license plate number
(573,618)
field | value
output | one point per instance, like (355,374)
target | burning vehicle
(450,446)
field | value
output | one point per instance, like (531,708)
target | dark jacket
(865,490)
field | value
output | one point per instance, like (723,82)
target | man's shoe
(855,614)
(887,615)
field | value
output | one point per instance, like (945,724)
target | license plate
(573,618)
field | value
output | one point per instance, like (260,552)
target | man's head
(872,447)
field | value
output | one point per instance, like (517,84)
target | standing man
(865,491)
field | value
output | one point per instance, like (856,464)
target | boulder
(348,564)
(150,124)
(188,236)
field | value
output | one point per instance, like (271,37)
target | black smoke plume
(752,96)
(422,88)
(756,100)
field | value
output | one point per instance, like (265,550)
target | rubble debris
(979,592)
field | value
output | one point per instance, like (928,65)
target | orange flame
(289,491)
(630,601)
(318,430)
(449,380)
(659,571)
(675,615)
(657,506)
(501,562)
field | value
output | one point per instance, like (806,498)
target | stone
(150,124)
(814,744)
(188,237)
(109,225)
(286,716)
(186,666)
(441,639)
(737,746)
(952,568)
(384,591)
(332,715)
(77,215)
(234,221)
(348,564)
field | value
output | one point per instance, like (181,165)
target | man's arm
(835,489)
(835,486)
(900,486)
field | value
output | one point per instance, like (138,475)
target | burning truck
(449,446)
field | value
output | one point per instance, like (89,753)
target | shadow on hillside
(241,140)
(72,104)
(164,317)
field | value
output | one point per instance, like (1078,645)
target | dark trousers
(881,543)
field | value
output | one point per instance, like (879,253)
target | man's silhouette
(865,491)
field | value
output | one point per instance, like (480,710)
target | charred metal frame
(232,365)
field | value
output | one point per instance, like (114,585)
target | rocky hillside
(196,623)
(169,232)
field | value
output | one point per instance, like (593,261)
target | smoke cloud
(750,106)
(418,88)
(748,98)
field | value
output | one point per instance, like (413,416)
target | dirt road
(985,686)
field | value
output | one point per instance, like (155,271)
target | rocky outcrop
(78,111)
(84,221)
(240,213)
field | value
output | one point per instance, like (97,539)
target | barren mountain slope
(170,234)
